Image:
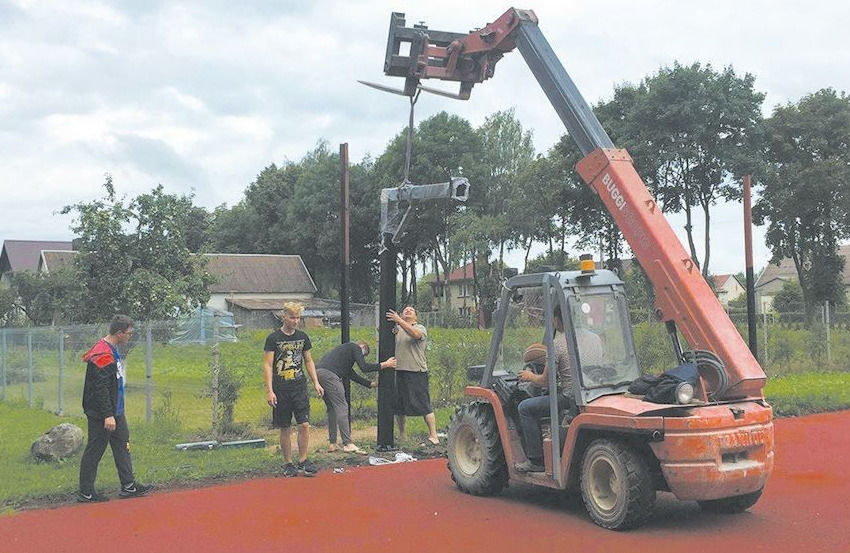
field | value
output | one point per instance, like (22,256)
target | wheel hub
(468,451)
(603,484)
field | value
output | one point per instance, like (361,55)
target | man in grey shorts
(333,368)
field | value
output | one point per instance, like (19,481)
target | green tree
(507,152)
(805,192)
(640,292)
(691,131)
(8,311)
(197,226)
(443,146)
(294,209)
(146,270)
(47,298)
(231,229)
(789,299)
(580,211)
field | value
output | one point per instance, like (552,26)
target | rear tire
(731,505)
(616,485)
(476,457)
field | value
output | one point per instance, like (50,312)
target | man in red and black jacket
(103,403)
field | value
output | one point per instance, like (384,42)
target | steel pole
(345,261)
(386,345)
(748,251)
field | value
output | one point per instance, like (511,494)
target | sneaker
(307,468)
(529,466)
(92,497)
(333,448)
(289,470)
(134,490)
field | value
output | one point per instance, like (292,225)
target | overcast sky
(200,96)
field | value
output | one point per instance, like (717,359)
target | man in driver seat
(531,410)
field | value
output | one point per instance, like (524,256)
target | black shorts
(291,400)
(411,393)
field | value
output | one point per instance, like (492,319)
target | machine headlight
(684,392)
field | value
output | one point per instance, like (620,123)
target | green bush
(654,349)
(448,355)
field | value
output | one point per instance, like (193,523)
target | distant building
(255,286)
(773,278)
(25,255)
(461,290)
(728,288)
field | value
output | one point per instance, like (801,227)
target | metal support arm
(397,202)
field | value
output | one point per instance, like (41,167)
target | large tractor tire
(476,458)
(731,505)
(616,485)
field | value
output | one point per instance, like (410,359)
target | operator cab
(594,316)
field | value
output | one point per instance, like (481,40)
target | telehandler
(712,442)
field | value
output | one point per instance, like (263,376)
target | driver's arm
(539,379)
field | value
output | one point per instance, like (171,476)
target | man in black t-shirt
(287,354)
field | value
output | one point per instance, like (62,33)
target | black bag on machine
(662,388)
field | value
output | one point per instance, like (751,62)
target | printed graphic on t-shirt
(289,359)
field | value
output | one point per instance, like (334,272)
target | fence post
(59,408)
(3,359)
(29,366)
(764,325)
(148,373)
(828,348)
(215,369)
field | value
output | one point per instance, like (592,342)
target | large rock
(57,443)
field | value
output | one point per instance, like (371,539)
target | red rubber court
(414,507)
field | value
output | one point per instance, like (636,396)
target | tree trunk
(689,230)
(808,307)
(445,263)
(707,253)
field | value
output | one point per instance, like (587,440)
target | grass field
(182,408)
(157,461)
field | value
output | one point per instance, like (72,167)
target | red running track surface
(414,507)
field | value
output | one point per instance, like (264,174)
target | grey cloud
(158,160)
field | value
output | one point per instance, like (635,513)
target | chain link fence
(210,378)
(787,342)
(213,387)
(212,381)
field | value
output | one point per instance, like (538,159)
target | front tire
(731,505)
(616,485)
(476,457)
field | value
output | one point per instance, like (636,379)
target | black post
(345,219)
(748,251)
(386,345)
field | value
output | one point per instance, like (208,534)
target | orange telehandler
(712,442)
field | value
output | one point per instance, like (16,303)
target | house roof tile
(259,273)
(24,255)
